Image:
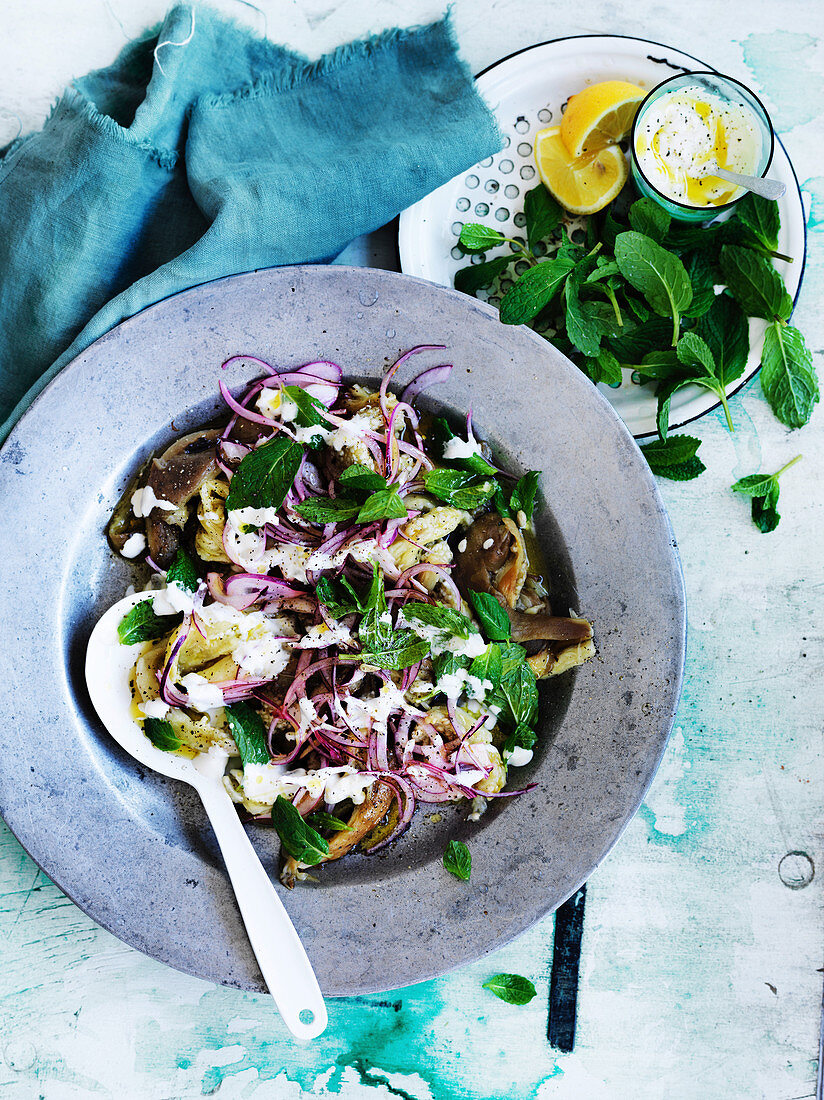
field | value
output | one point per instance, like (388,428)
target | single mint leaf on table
(359,480)
(461,489)
(249,733)
(321,820)
(788,377)
(755,284)
(488,665)
(385,504)
(298,839)
(265,475)
(470,279)
(494,620)
(761,217)
(143,624)
(525,494)
(543,214)
(650,219)
(476,237)
(444,618)
(161,734)
(676,458)
(512,988)
(182,572)
(457,859)
(764,490)
(328,509)
(658,274)
(534,289)
(726,332)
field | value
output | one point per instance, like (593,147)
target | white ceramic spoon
(279,952)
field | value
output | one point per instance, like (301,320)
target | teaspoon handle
(280,954)
(767,189)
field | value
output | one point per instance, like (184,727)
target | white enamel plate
(526,92)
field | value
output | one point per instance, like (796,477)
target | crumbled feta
(154,708)
(203,696)
(320,636)
(306,435)
(172,599)
(351,432)
(519,757)
(144,502)
(264,782)
(461,448)
(460,682)
(263,658)
(135,544)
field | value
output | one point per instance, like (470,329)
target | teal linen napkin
(205,151)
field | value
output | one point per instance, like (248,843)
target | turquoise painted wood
(703,936)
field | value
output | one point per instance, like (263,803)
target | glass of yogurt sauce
(687,127)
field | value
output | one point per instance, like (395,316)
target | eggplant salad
(342,607)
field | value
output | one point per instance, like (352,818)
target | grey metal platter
(135,851)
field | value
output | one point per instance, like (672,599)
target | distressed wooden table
(700,973)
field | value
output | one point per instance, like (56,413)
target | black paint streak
(669,64)
(563,982)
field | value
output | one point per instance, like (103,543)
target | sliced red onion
(242,411)
(398,364)
(433,376)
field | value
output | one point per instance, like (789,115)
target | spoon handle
(279,952)
(767,189)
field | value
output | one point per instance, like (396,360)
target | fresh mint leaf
(320,820)
(249,733)
(457,859)
(161,734)
(310,412)
(761,217)
(521,738)
(512,655)
(525,494)
(512,988)
(580,329)
(725,331)
(335,597)
(604,367)
(403,650)
(542,213)
(700,268)
(520,689)
(328,509)
(443,618)
(476,237)
(265,475)
(764,490)
(661,366)
(534,290)
(693,352)
(488,665)
(441,433)
(143,624)
(182,572)
(658,274)
(359,480)
(462,490)
(788,377)
(675,459)
(494,620)
(447,664)
(638,340)
(385,504)
(650,219)
(755,284)
(470,279)
(665,393)
(299,840)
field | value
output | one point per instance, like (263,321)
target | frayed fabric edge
(270,84)
(77,103)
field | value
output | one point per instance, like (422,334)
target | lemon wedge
(599,116)
(582,185)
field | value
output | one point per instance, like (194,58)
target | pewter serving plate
(134,850)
